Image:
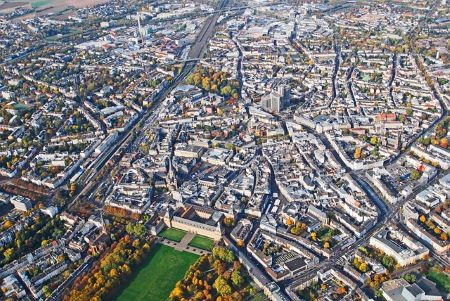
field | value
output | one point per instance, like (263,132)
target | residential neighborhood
(224,150)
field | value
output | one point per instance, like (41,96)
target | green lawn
(40,3)
(173,234)
(258,297)
(158,276)
(441,279)
(202,242)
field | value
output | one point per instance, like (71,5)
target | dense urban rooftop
(224,150)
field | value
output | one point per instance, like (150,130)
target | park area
(158,275)
(202,242)
(441,279)
(173,234)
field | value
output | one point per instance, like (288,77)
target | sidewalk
(184,243)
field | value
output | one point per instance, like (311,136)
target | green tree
(388,262)
(138,230)
(223,254)
(46,291)
(8,254)
(237,278)
(425,140)
(222,287)
(225,91)
(411,278)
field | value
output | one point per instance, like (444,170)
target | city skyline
(224,150)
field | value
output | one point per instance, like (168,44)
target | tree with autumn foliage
(214,81)
(374,140)
(217,276)
(357,153)
(289,221)
(6,225)
(422,218)
(341,290)
(415,175)
(376,280)
(112,270)
(72,188)
(228,222)
(360,265)
(298,229)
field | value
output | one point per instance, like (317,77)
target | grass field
(202,242)
(158,276)
(173,234)
(40,3)
(441,279)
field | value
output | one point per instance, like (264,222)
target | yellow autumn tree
(363,267)
(113,273)
(357,153)
(8,224)
(422,218)
(177,292)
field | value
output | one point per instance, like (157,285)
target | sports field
(202,242)
(158,276)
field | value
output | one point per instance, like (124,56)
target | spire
(103,223)
(140,28)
